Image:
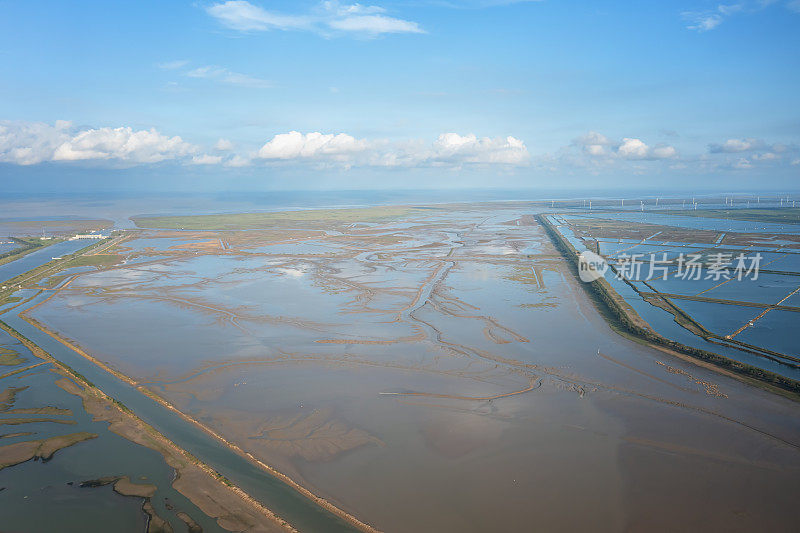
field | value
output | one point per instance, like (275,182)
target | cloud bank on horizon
(506,89)
(25,144)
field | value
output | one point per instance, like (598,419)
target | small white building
(88,236)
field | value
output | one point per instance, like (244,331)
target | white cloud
(124,144)
(593,138)
(709,19)
(25,143)
(633,149)
(223,145)
(294,145)
(375,25)
(701,22)
(732,146)
(594,143)
(173,65)
(244,16)
(206,159)
(328,18)
(599,148)
(595,150)
(224,75)
(766,156)
(452,147)
(747,153)
(636,149)
(30,143)
(664,152)
(758,149)
(238,161)
(454,150)
(449,149)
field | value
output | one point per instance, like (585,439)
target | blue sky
(281,95)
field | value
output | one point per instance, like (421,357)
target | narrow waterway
(287,503)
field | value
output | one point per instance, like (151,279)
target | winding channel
(301,512)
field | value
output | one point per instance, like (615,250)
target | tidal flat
(432,370)
(55,446)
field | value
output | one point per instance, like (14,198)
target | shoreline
(318,500)
(125,423)
(626,321)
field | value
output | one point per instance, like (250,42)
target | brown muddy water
(443,372)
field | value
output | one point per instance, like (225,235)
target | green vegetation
(55,266)
(9,357)
(25,247)
(776,215)
(99,260)
(320,217)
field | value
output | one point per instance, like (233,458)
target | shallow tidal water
(453,377)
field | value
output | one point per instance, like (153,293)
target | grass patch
(99,260)
(25,246)
(9,357)
(52,268)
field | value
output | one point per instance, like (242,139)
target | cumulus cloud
(31,143)
(294,145)
(449,149)
(732,146)
(223,145)
(25,143)
(594,144)
(664,152)
(28,143)
(124,144)
(238,161)
(452,147)
(328,18)
(746,153)
(599,147)
(632,148)
(206,159)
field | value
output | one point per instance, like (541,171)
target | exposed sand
(213,494)
(44,449)
(403,304)
(233,509)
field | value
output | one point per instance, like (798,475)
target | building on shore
(88,236)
